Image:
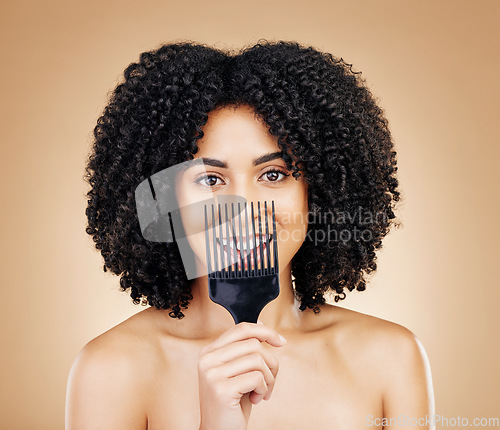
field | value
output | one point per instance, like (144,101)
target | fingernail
(260,322)
(283,340)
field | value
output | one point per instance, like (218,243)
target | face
(236,142)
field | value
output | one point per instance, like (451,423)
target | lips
(260,243)
(252,242)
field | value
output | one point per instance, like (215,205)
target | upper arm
(408,397)
(103,392)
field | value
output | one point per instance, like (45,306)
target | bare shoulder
(107,382)
(365,331)
(124,346)
(391,354)
(370,342)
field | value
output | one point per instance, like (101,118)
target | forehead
(232,129)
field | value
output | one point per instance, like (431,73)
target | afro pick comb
(247,278)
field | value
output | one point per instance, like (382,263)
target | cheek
(191,206)
(193,217)
(295,203)
(293,218)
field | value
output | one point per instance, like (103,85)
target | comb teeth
(238,251)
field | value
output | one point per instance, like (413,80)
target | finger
(246,364)
(241,348)
(246,383)
(243,331)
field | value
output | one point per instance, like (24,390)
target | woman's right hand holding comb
(234,372)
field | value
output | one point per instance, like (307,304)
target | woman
(183,363)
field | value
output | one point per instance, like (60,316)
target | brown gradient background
(434,66)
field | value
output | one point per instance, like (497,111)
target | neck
(206,319)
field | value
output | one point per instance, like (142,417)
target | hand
(234,372)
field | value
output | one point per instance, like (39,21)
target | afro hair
(324,118)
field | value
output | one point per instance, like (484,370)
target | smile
(260,243)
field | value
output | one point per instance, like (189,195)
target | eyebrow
(218,163)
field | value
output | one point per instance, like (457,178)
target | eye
(208,180)
(273,174)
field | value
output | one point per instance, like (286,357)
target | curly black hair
(325,119)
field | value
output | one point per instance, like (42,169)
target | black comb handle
(244,298)
(242,281)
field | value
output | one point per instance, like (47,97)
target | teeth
(253,243)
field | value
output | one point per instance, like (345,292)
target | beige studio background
(433,64)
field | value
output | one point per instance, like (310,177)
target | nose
(243,216)
(246,191)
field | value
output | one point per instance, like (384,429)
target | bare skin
(314,387)
(339,369)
